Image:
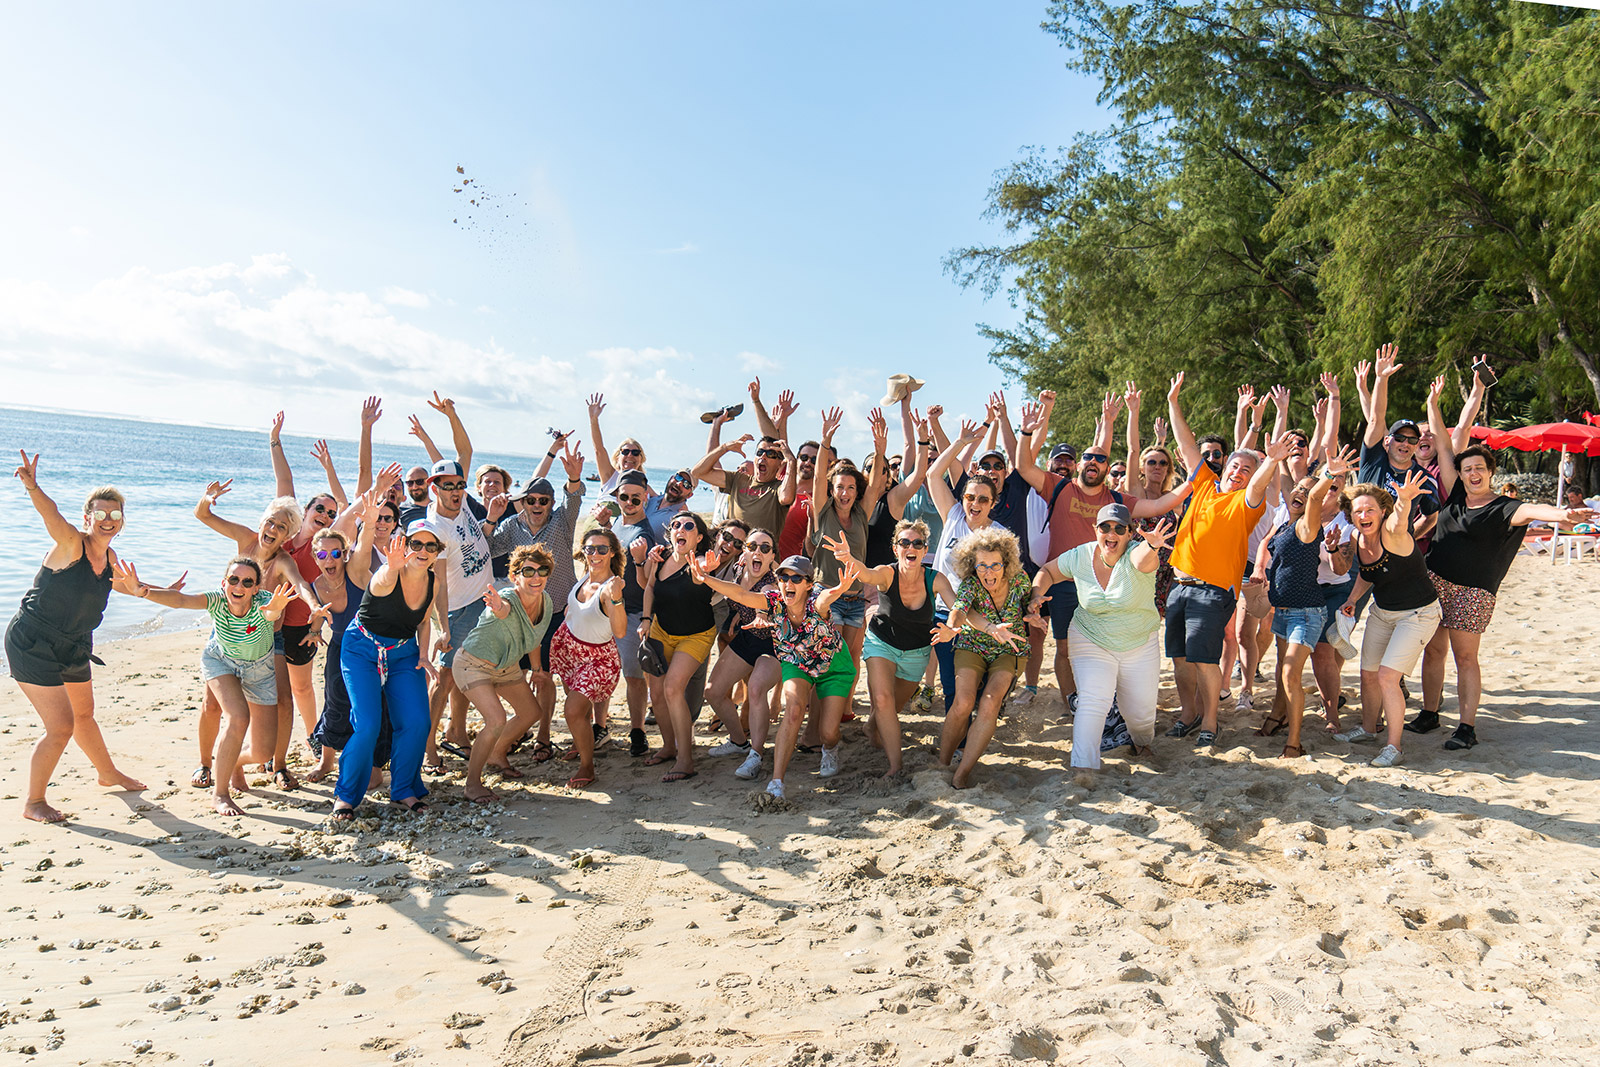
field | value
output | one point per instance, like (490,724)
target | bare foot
(961,781)
(225,805)
(121,781)
(480,795)
(376,780)
(239,784)
(39,811)
(323,769)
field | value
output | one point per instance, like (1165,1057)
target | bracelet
(616,602)
(986,423)
(642,617)
(550,455)
(274,444)
(1255,429)
(924,443)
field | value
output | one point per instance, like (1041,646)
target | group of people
(938,569)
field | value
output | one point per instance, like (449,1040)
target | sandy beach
(1229,907)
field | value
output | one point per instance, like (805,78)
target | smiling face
(417,485)
(1092,469)
(760,553)
(490,485)
(1299,495)
(1427,452)
(1367,515)
(383,528)
(331,555)
(1476,473)
(536,508)
(1236,475)
(977,501)
(1157,465)
(103,518)
(844,491)
(1402,447)
(1065,466)
(630,498)
(321,512)
(1112,537)
(630,456)
(239,584)
(449,490)
(530,580)
(272,532)
(806,464)
(795,587)
(683,535)
(990,567)
(910,546)
(769,461)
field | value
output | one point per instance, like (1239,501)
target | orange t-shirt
(1214,540)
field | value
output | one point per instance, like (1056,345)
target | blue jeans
(333,727)
(945,653)
(405,691)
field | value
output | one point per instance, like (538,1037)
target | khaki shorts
(966,659)
(697,645)
(471,671)
(1395,639)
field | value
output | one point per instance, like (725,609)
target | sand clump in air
(1230,907)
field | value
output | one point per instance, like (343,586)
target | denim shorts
(1302,626)
(257,677)
(849,610)
(909,664)
(462,620)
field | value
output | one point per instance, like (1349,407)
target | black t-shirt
(410,513)
(632,591)
(1474,547)
(1375,468)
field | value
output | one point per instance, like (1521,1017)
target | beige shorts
(471,671)
(1395,639)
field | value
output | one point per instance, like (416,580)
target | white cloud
(394,294)
(228,344)
(756,363)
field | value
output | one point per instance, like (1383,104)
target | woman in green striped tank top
(237,661)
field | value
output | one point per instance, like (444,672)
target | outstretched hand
(371,410)
(1159,537)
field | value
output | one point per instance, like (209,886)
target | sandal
(435,769)
(578,781)
(1292,752)
(570,754)
(343,815)
(543,752)
(284,780)
(1271,726)
(507,771)
(454,749)
(201,779)
(416,809)
(660,758)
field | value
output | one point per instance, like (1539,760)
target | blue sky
(214,211)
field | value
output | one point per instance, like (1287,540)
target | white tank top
(585,619)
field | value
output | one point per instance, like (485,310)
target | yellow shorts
(697,645)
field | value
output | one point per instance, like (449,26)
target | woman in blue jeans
(381,661)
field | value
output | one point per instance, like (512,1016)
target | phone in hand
(1480,367)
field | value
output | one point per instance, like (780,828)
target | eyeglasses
(682,476)
(101,516)
(631,500)
(759,546)
(972,498)
(322,509)
(416,481)
(538,501)
(451,487)
(768,453)
(1406,439)
(533,572)
(390,519)
(807,457)
(630,451)
(234,579)
(597,550)
(729,539)
(331,553)
(906,542)
(1113,527)
(681,524)
(1118,472)
(417,544)
(1094,457)
(992,465)
(792,579)
(990,566)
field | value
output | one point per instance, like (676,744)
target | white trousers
(1133,678)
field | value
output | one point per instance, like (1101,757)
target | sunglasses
(768,453)
(1211,453)
(631,500)
(993,465)
(681,525)
(972,499)
(1157,461)
(385,517)
(538,501)
(1406,439)
(630,451)
(906,542)
(807,457)
(729,539)
(101,516)
(417,544)
(451,487)
(759,546)
(1119,471)
(792,579)
(331,553)
(990,566)
(1113,527)
(234,579)
(597,550)
(416,481)
(322,509)
(682,476)
(533,572)
(1095,457)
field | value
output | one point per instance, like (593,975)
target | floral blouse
(810,645)
(975,599)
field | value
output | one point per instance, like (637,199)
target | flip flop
(578,781)
(660,758)
(487,798)
(543,752)
(679,776)
(343,815)
(416,809)
(454,749)
(435,769)
(507,771)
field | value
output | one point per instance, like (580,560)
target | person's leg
(833,708)
(1433,661)
(456,732)
(796,696)
(1371,701)
(358,663)
(1138,689)
(238,716)
(1230,648)
(694,693)
(674,686)
(332,731)
(955,720)
(1292,658)
(765,676)
(1184,678)
(1097,687)
(1062,604)
(579,713)
(303,691)
(86,732)
(285,723)
(483,696)
(438,697)
(1469,675)
(526,712)
(206,729)
(55,711)
(1208,686)
(854,638)
(1280,692)
(982,729)
(945,653)
(730,670)
(1036,636)
(1374,643)
(1327,667)
(881,691)
(664,724)
(1250,655)
(1394,704)
(407,691)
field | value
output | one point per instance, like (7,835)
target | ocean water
(163,469)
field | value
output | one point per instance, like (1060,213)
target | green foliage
(1291,184)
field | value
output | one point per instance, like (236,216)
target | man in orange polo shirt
(1208,558)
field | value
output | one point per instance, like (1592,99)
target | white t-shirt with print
(466,556)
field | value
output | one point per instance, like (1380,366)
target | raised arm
(1182,436)
(1364,390)
(1241,415)
(938,488)
(708,469)
(1397,529)
(940,439)
(1442,443)
(1147,553)
(167,596)
(602,457)
(764,422)
(1384,368)
(1309,528)
(371,412)
(1461,437)
(1033,426)
(786,488)
(1133,484)
(62,532)
(205,512)
(901,494)
(831,418)
(1330,444)
(458,432)
(879,479)
(280,462)
(1255,493)
(847,578)
(320,453)
(417,431)
(731,590)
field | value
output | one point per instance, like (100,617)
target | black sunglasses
(906,542)
(630,451)
(1095,457)
(768,453)
(538,501)
(234,579)
(533,572)
(416,544)
(1112,527)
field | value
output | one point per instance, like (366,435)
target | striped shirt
(245,639)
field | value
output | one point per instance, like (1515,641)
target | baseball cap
(993,453)
(1114,513)
(541,486)
(634,478)
(1063,450)
(796,565)
(1398,423)
(446,468)
(416,526)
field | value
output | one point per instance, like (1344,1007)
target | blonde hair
(105,492)
(505,475)
(1172,468)
(328,535)
(616,454)
(995,539)
(916,526)
(287,510)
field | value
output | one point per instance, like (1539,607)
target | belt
(383,651)
(1195,582)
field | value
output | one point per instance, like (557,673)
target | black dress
(51,638)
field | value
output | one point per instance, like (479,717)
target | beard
(1092,477)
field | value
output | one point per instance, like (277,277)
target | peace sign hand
(29,471)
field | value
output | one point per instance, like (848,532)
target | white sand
(1232,908)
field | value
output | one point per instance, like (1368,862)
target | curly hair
(911,526)
(997,539)
(1378,493)
(287,510)
(538,555)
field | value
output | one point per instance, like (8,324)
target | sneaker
(638,744)
(602,736)
(775,788)
(1179,728)
(1238,670)
(1426,722)
(1405,692)
(1025,695)
(1246,701)
(1205,738)
(729,748)
(1355,735)
(1389,757)
(750,767)
(1465,737)
(650,717)
(923,701)
(830,762)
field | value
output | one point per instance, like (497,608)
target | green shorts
(836,681)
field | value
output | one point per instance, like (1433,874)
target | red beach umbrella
(1489,436)
(1553,436)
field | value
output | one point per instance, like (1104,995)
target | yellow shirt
(1213,541)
